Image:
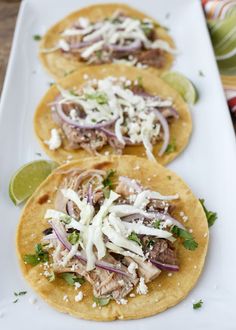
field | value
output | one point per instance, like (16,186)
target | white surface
(208,166)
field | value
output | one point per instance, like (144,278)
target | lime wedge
(182,85)
(25,181)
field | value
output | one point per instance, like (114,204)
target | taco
(112,238)
(106,33)
(112,109)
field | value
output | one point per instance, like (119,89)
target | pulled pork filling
(116,39)
(111,232)
(116,112)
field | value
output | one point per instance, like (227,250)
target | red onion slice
(168,267)
(163,216)
(169,112)
(83,44)
(90,194)
(112,134)
(70,209)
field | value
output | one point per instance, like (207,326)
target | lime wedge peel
(27,178)
(182,85)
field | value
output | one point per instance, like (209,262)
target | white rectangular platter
(208,165)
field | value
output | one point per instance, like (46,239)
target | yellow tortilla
(180,129)
(165,291)
(58,65)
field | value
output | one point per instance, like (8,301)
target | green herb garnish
(72,278)
(156,224)
(150,243)
(189,243)
(73,238)
(21,293)
(140,81)
(15,301)
(171,147)
(66,73)
(37,37)
(169,177)
(107,183)
(146,29)
(72,92)
(107,180)
(134,237)
(211,216)
(39,256)
(98,53)
(198,304)
(99,97)
(101,301)
(201,73)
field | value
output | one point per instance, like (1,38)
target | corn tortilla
(165,291)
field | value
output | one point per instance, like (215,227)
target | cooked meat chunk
(152,57)
(91,140)
(164,252)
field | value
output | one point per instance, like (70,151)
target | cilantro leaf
(134,237)
(100,97)
(107,183)
(72,92)
(198,304)
(171,147)
(101,301)
(72,278)
(156,224)
(211,216)
(20,293)
(189,243)
(98,53)
(37,37)
(39,256)
(73,238)
(150,243)
(201,73)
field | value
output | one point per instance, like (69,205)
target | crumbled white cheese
(142,288)
(85,76)
(55,140)
(77,285)
(94,305)
(132,267)
(79,296)
(65,298)
(83,22)
(170,274)
(205,235)
(73,114)
(132,295)
(122,301)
